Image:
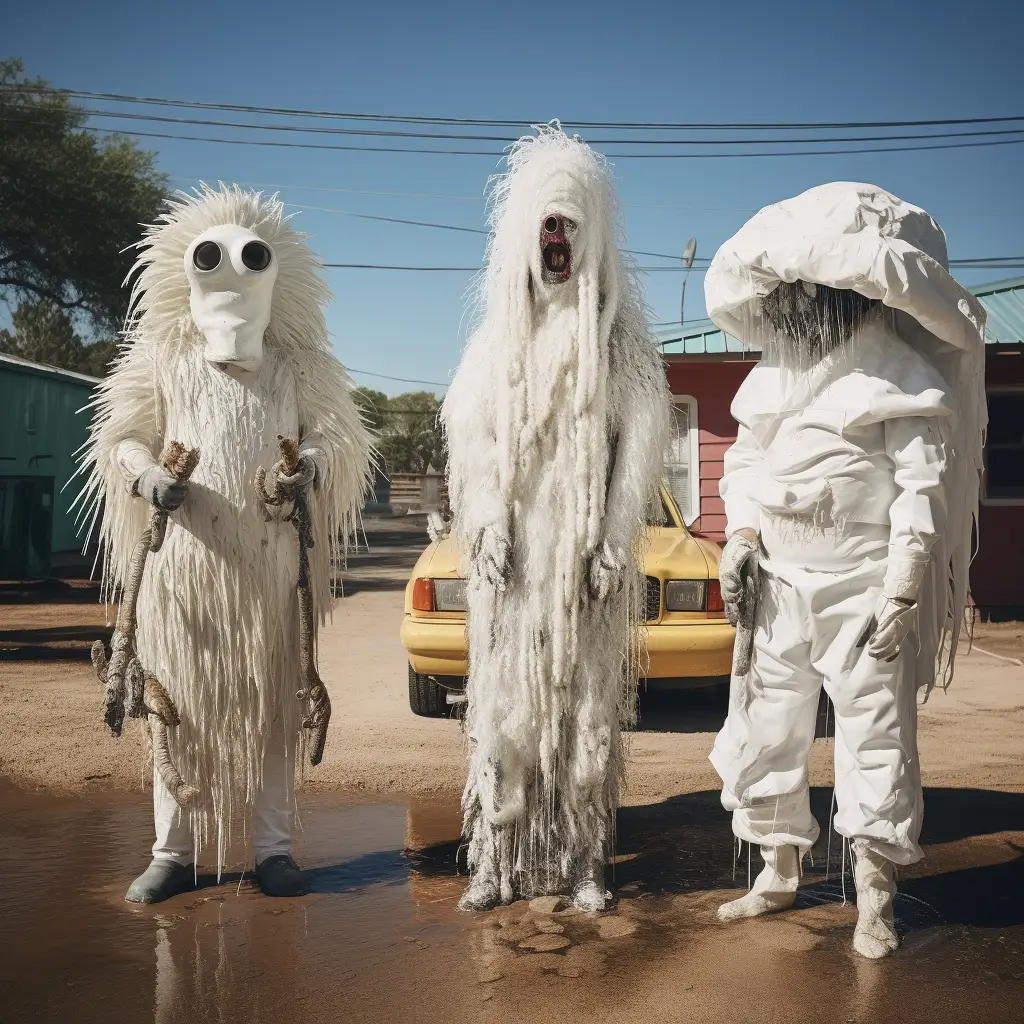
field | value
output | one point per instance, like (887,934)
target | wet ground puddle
(379,938)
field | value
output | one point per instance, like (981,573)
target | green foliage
(70,203)
(44,333)
(411,439)
(373,405)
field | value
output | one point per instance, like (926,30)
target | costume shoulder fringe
(159,331)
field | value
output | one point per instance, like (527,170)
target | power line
(448,137)
(442,227)
(482,197)
(402,380)
(506,123)
(495,154)
(993,262)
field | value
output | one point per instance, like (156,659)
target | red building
(706,366)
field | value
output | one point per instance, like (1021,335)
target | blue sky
(672,61)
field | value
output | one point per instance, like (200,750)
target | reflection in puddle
(380,939)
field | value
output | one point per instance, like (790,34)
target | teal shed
(40,431)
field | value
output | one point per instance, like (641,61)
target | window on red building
(682,459)
(1004,450)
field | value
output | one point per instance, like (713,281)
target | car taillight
(715,602)
(423,594)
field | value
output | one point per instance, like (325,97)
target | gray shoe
(160,881)
(280,876)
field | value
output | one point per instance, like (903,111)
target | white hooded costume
(557,422)
(226,351)
(859,471)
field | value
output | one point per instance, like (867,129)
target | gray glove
(738,552)
(893,620)
(605,573)
(160,489)
(492,557)
(298,481)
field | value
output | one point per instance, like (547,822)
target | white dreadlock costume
(557,422)
(857,466)
(218,615)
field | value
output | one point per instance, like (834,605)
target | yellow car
(689,640)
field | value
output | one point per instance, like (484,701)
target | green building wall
(40,431)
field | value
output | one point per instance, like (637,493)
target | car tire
(428,698)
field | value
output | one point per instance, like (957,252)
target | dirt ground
(379,938)
(51,735)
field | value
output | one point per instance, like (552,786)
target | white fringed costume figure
(226,352)
(851,492)
(557,424)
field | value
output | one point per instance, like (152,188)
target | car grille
(653,598)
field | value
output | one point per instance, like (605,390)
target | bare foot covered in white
(875,935)
(773,890)
(591,895)
(483,893)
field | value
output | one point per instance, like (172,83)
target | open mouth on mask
(555,249)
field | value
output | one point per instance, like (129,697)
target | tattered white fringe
(217,608)
(553,376)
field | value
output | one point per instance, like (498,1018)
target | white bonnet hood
(844,235)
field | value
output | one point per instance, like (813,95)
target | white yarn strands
(218,612)
(557,421)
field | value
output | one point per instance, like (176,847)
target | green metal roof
(1004,301)
(700,338)
(17,364)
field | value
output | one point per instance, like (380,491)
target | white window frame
(694,442)
(985,499)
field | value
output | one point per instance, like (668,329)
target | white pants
(273,813)
(808,627)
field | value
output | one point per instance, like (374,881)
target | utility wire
(402,380)
(992,263)
(447,137)
(504,123)
(496,154)
(443,227)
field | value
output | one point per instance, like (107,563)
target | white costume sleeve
(918,515)
(135,427)
(742,464)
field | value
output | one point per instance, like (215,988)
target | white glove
(894,618)
(298,481)
(492,556)
(605,572)
(161,489)
(735,565)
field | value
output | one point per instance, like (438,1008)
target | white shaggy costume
(857,463)
(557,421)
(226,358)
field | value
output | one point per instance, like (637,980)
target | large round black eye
(551,225)
(256,256)
(206,256)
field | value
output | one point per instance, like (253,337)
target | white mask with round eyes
(231,272)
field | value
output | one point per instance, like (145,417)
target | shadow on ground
(685,845)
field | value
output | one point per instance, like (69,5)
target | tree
(70,203)
(411,437)
(44,333)
(373,405)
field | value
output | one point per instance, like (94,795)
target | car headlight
(449,595)
(685,595)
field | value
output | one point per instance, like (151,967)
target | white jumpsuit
(840,471)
